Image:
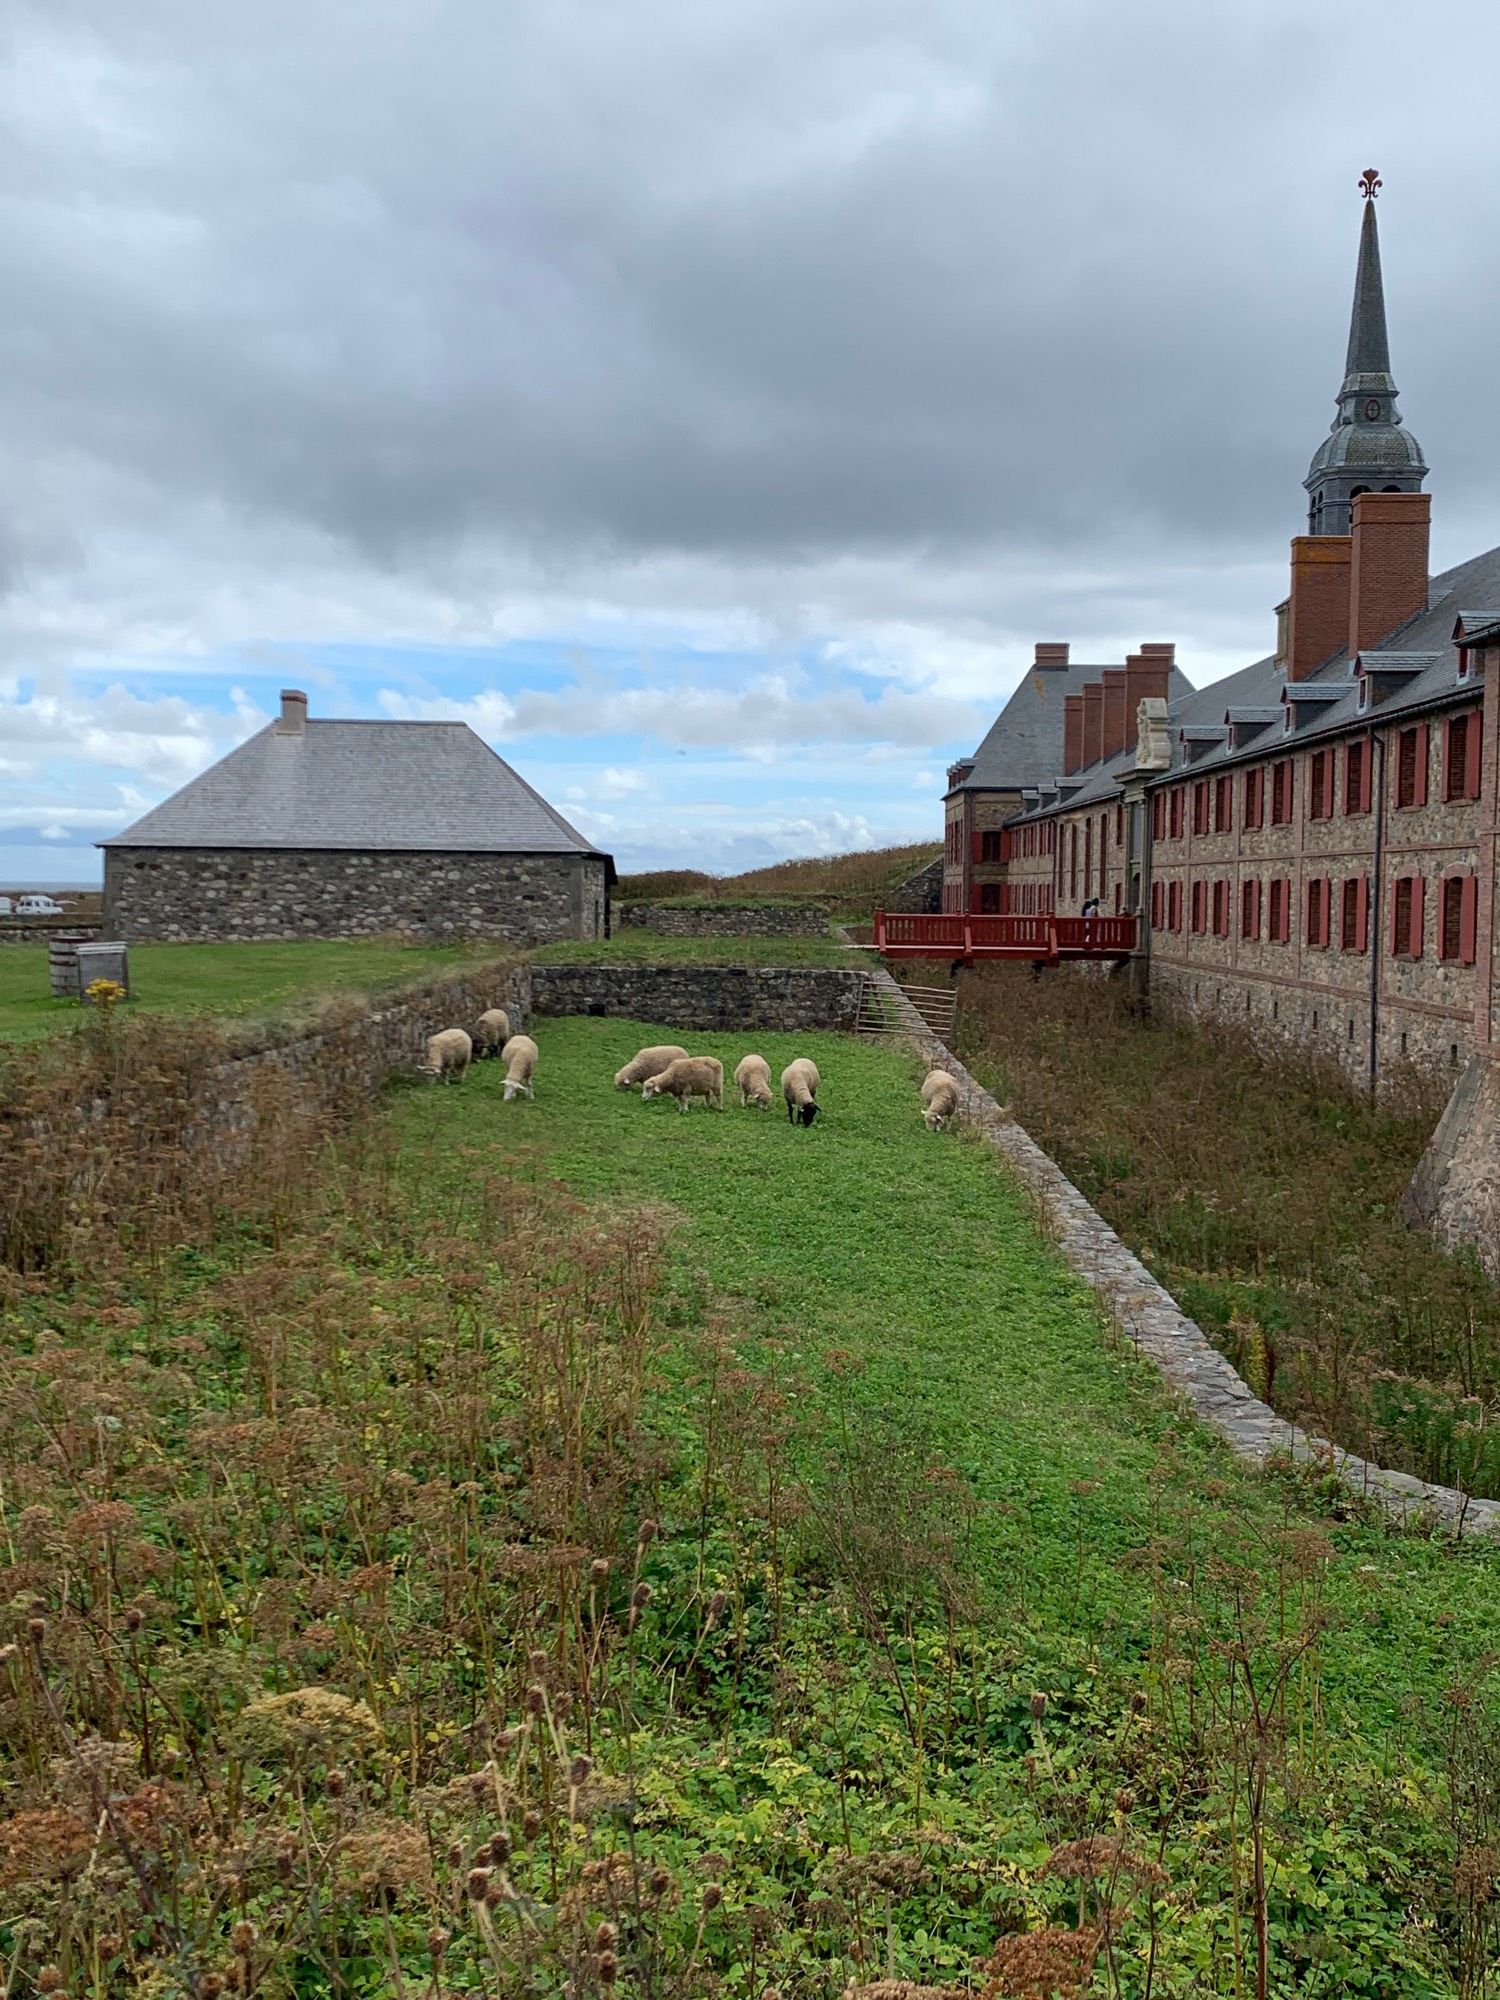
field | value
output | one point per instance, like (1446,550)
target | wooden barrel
(62,962)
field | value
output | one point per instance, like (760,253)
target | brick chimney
(1160,649)
(1116,714)
(1388,573)
(1147,674)
(1072,733)
(1051,655)
(293,718)
(1093,722)
(1318,621)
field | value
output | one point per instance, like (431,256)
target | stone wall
(703,997)
(725,919)
(921,892)
(203,894)
(1455,1191)
(41,930)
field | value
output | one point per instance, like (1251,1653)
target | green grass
(633,947)
(244,981)
(895,1278)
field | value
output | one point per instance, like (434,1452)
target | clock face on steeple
(1372,409)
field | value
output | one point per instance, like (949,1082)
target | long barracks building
(1310,844)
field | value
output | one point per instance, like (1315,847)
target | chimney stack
(1160,649)
(293,718)
(1116,714)
(1093,722)
(1147,675)
(1051,655)
(1072,734)
(1318,621)
(1388,570)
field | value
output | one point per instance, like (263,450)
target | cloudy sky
(710,403)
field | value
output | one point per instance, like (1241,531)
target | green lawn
(633,947)
(888,1284)
(243,980)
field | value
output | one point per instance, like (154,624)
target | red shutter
(1424,749)
(1362,915)
(1472,744)
(1468,911)
(974,847)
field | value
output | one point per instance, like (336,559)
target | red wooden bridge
(1044,939)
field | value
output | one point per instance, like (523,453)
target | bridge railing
(968,935)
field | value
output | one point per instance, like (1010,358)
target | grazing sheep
(753,1075)
(491,1032)
(448,1054)
(799,1086)
(939,1099)
(519,1056)
(646,1063)
(689,1077)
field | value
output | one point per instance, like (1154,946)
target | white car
(38,906)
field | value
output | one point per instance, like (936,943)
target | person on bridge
(1091,908)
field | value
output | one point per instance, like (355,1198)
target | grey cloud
(491,296)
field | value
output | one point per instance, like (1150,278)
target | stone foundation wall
(41,930)
(703,997)
(207,894)
(725,919)
(1455,1191)
(921,892)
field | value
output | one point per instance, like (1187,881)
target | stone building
(350,829)
(1310,843)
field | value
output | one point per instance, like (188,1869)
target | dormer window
(1364,694)
(1465,664)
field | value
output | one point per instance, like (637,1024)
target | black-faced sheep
(799,1086)
(753,1075)
(519,1056)
(448,1055)
(646,1063)
(689,1077)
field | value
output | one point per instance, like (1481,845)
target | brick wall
(176,894)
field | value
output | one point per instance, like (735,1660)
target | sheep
(448,1054)
(753,1075)
(689,1077)
(491,1032)
(939,1099)
(646,1063)
(799,1086)
(519,1056)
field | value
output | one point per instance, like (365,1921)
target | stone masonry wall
(725,919)
(176,894)
(703,997)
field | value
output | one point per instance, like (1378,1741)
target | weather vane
(1370,184)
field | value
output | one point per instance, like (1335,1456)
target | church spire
(1368,448)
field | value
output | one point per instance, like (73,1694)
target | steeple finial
(1368,448)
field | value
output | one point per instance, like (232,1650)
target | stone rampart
(703,997)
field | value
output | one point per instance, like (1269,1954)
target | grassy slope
(1099,1508)
(853,883)
(245,980)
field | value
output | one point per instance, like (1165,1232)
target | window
(1157,901)
(1250,908)
(1221,908)
(1200,806)
(1279,927)
(1320,785)
(1176,812)
(1457,912)
(1281,792)
(989,846)
(1159,816)
(1120,824)
(989,899)
(1073,863)
(1317,911)
(1354,913)
(1406,917)
(1103,844)
(1223,804)
(1254,815)
(1461,757)
(1174,906)
(1411,767)
(1357,762)
(1200,907)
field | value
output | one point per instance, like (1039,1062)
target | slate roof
(363,785)
(1024,744)
(1422,651)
